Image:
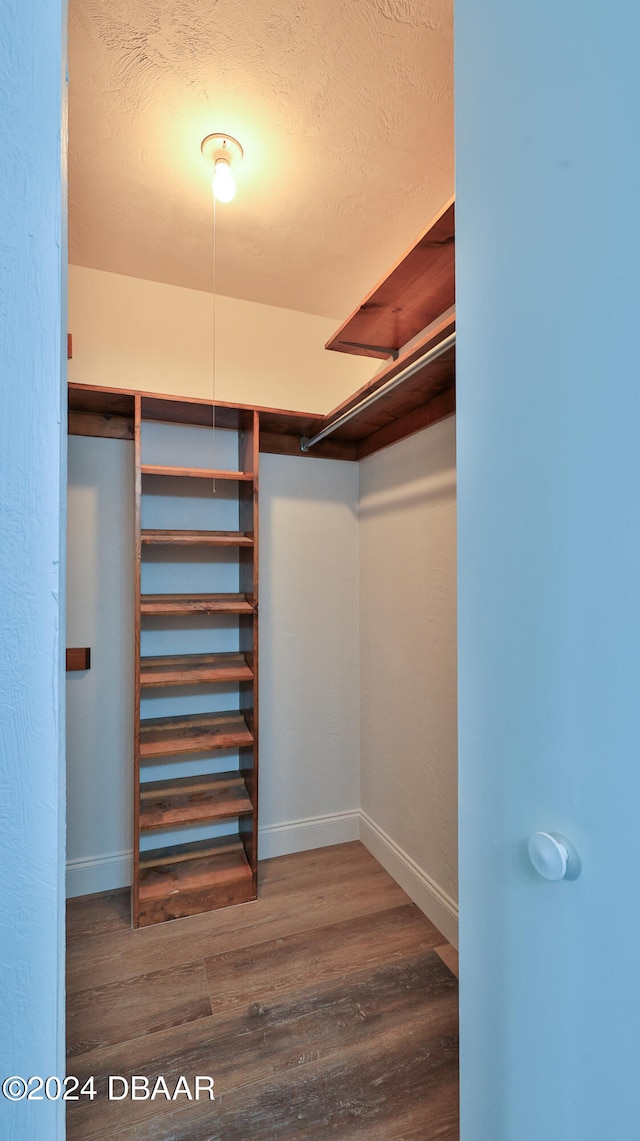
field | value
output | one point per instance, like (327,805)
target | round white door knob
(553,857)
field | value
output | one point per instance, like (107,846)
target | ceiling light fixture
(224,152)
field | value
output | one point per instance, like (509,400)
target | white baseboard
(439,907)
(88,874)
(311,832)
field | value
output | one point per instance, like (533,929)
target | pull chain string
(213,351)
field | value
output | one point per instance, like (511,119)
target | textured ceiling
(345,113)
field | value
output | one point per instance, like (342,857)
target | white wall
(130,333)
(100,614)
(408,666)
(309,653)
(309,741)
(32,463)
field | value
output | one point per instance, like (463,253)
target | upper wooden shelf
(417,290)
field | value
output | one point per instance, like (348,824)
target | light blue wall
(548,283)
(32,253)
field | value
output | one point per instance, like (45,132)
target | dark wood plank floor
(328,1008)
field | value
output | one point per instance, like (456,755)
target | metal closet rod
(429,356)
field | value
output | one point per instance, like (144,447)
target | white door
(548,281)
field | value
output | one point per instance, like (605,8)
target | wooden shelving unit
(181,878)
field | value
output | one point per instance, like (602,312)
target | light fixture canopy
(224,152)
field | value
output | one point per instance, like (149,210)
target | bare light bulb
(224,184)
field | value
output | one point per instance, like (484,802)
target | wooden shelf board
(195,733)
(281,433)
(196,473)
(194,850)
(194,669)
(159,604)
(166,538)
(193,800)
(289,444)
(176,888)
(419,348)
(421,417)
(98,411)
(427,384)
(191,410)
(102,425)
(415,292)
(97,400)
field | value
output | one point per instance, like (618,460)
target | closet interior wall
(408,667)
